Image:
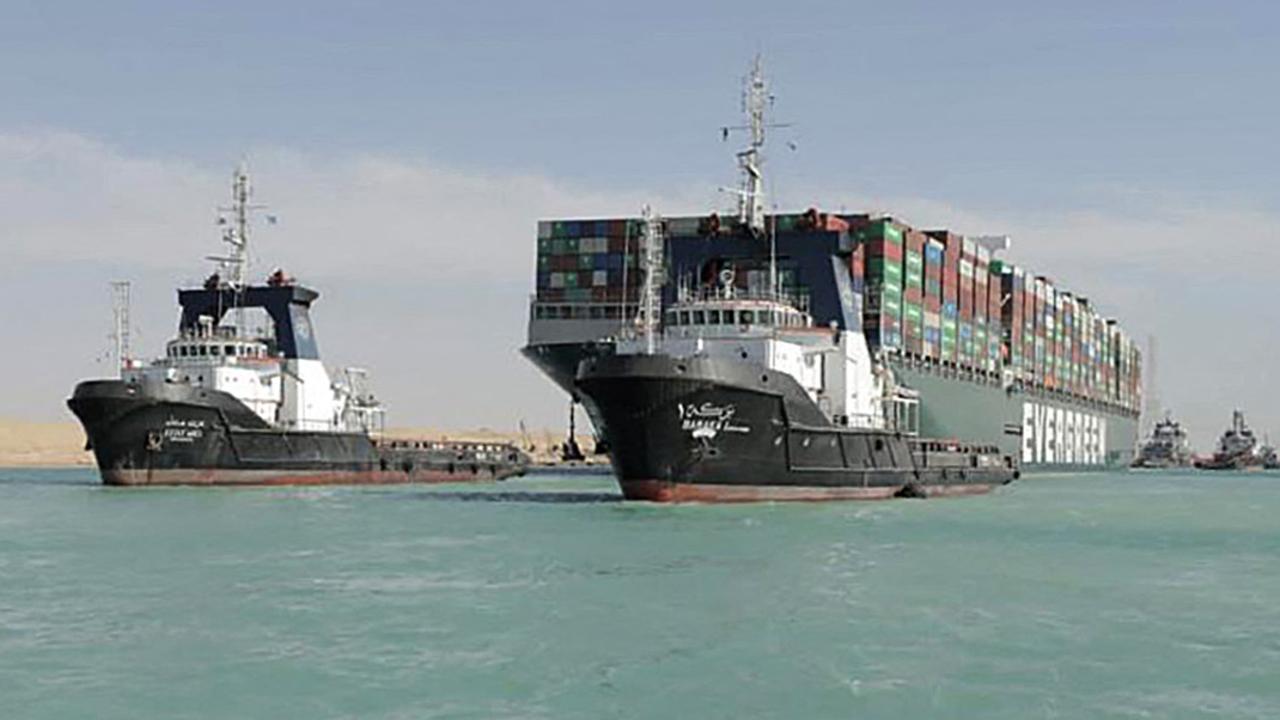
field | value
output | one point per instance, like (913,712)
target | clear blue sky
(1037,99)
(1013,112)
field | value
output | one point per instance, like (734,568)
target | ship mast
(120,333)
(755,102)
(236,228)
(651,240)
(235,221)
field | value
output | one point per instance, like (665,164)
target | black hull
(172,434)
(712,430)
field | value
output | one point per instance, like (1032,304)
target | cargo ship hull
(706,430)
(180,435)
(967,408)
(1045,430)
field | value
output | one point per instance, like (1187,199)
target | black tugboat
(1237,448)
(741,398)
(232,405)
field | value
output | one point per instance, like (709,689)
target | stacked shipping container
(583,262)
(958,305)
(882,282)
(934,295)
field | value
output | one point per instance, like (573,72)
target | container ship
(241,397)
(983,350)
(740,397)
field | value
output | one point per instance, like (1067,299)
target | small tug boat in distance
(1166,448)
(741,398)
(1237,448)
(232,405)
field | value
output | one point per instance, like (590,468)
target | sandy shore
(31,444)
(28,444)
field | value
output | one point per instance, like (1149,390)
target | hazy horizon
(410,149)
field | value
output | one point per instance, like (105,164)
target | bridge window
(214,350)
(713,317)
(672,317)
(684,317)
(203,351)
(727,317)
(746,317)
(699,317)
(229,350)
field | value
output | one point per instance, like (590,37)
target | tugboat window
(745,317)
(229,350)
(684,317)
(204,350)
(713,317)
(699,318)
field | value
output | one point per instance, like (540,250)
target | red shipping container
(879,247)
(858,265)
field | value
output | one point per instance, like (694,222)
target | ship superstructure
(994,352)
(1167,447)
(240,396)
(1237,448)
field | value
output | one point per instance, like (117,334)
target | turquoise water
(1088,596)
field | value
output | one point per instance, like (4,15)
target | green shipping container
(585,262)
(878,268)
(544,246)
(886,289)
(914,316)
(880,229)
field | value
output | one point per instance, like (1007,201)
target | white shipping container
(557,280)
(600,278)
(544,229)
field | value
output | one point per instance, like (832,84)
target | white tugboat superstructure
(231,404)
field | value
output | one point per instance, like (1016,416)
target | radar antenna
(756,102)
(234,220)
(651,241)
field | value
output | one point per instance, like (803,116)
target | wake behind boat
(232,402)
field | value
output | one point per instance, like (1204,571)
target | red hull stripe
(664,491)
(211,476)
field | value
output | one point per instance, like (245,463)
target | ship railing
(799,301)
